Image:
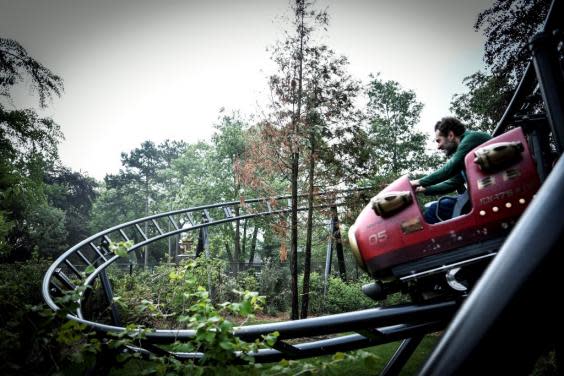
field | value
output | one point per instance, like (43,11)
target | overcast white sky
(137,70)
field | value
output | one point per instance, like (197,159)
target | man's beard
(450,148)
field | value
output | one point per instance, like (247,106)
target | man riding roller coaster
(455,141)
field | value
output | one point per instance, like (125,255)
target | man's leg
(437,211)
(430,213)
(445,207)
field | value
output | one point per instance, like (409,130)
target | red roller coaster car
(392,242)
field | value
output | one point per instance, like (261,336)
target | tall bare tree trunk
(146,261)
(338,244)
(237,251)
(253,245)
(294,239)
(228,252)
(244,245)
(295,166)
(309,230)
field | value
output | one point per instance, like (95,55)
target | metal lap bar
(157,226)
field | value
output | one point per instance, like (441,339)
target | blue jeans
(444,210)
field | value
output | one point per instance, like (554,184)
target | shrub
(20,288)
(247,281)
(315,292)
(345,296)
(33,339)
(274,283)
(340,296)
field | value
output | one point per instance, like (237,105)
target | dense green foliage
(508,26)
(395,146)
(18,330)
(484,103)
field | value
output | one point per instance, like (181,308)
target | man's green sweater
(449,177)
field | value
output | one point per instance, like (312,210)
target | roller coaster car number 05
(380,237)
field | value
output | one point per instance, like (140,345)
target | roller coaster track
(87,261)
(501,327)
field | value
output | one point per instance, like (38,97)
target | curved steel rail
(82,264)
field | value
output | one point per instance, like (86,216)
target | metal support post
(109,296)
(551,83)
(401,356)
(336,237)
(203,239)
(328,259)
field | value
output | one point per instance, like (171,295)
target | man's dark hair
(448,124)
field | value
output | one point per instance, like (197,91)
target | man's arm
(417,186)
(445,187)
(456,162)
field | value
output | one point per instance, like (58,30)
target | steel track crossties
(79,267)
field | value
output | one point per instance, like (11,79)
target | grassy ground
(384,353)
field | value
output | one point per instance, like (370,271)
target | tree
(24,136)
(229,142)
(144,181)
(329,115)
(207,175)
(74,194)
(194,169)
(311,111)
(507,25)
(297,64)
(28,145)
(395,146)
(34,225)
(484,103)
(16,66)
